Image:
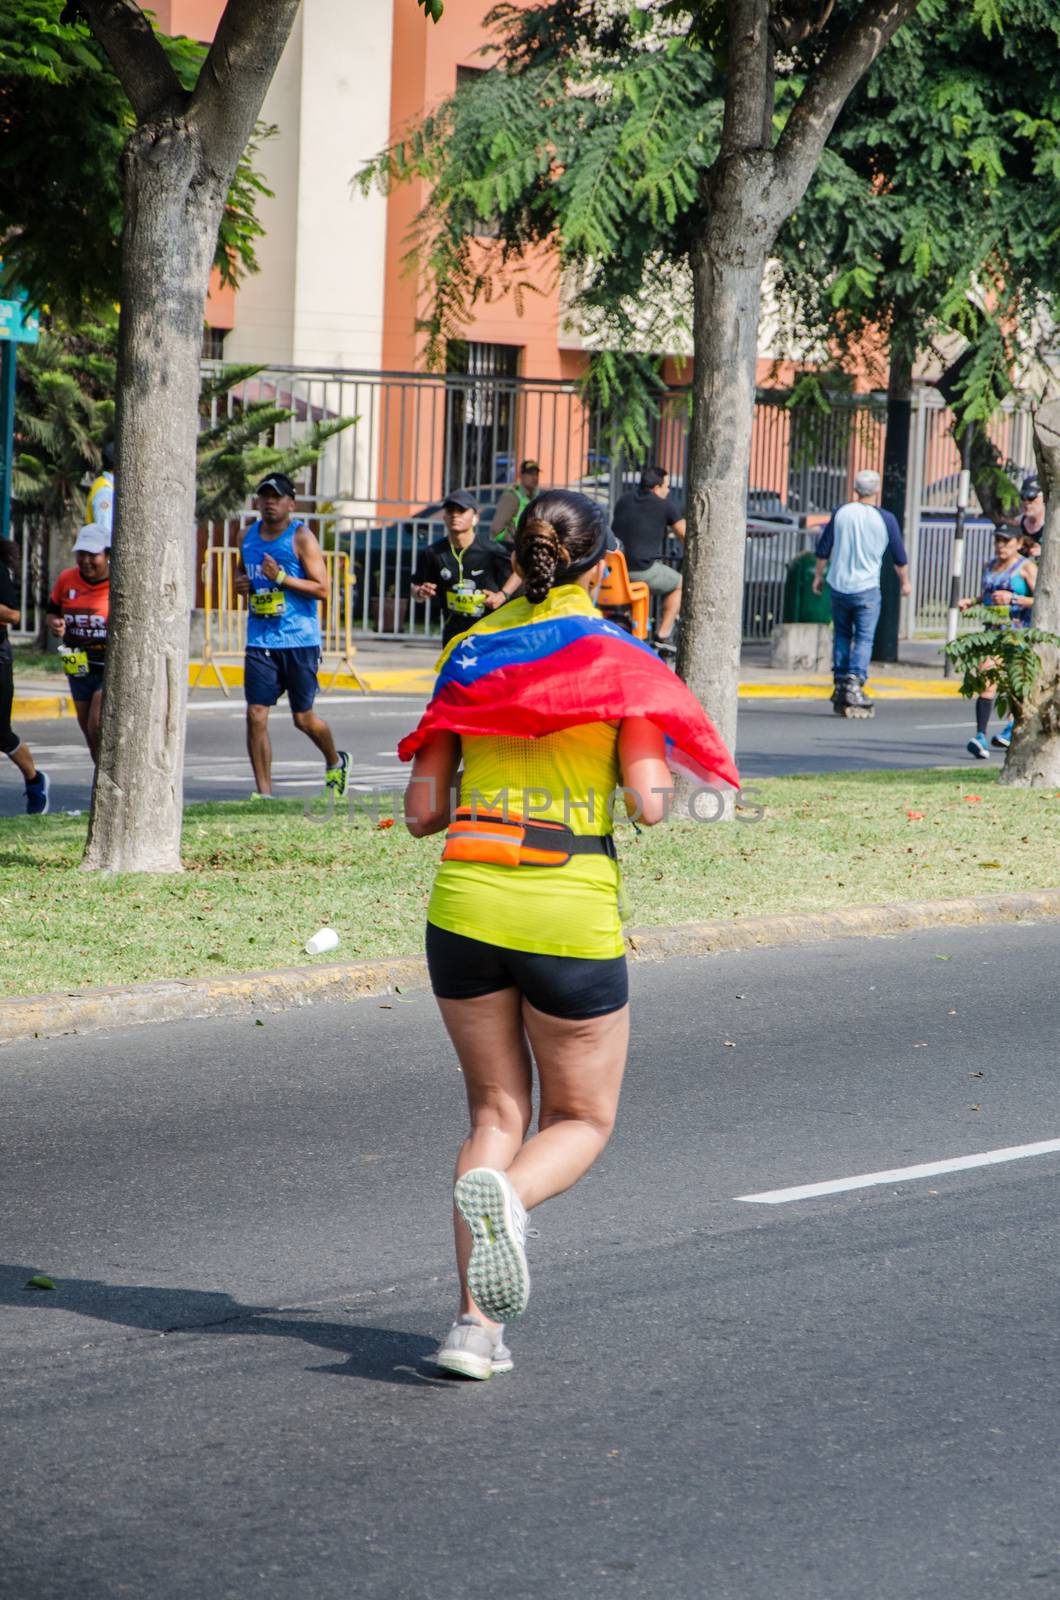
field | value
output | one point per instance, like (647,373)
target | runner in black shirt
(469,577)
(641,520)
(10,616)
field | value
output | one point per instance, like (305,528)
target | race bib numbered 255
(268,603)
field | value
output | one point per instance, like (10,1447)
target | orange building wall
(425,60)
(195,19)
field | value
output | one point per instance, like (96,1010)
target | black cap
(1030,488)
(278,482)
(529,466)
(461,498)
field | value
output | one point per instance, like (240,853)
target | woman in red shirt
(78,608)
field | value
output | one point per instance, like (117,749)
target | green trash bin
(800,602)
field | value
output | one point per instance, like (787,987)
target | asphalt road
(775,736)
(849,1397)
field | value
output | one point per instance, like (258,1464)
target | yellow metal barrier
(225,637)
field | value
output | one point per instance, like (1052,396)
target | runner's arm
(10,600)
(645,774)
(506,579)
(1028,573)
(428,797)
(242,580)
(424,583)
(311,556)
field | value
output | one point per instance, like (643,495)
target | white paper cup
(324,939)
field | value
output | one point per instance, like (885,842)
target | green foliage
(624,390)
(593,135)
(825,415)
(236,448)
(935,212)
(65,121)
(1000,656)
(65,410)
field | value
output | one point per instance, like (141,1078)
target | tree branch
(138,59)
(826,91)
(246,50)
(750,78)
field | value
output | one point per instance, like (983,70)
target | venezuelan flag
(525,671)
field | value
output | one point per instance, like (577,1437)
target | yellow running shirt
(565,777)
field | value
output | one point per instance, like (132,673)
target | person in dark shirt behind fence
(642,521)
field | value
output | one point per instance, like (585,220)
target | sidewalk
(390,666)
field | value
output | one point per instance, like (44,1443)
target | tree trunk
(172,212)
(727,280)
(895,477)
(1033,759)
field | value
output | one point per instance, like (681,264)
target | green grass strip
(260,880)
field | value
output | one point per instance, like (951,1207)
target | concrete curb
(251,993)
(36,707)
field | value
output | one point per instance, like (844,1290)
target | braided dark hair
(557,530)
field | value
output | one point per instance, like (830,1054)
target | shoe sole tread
(497,1275)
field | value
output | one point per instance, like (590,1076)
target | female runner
(1008,580)
(524,937)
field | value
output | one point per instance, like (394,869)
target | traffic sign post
(18,325)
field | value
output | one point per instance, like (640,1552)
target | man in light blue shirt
(852,547)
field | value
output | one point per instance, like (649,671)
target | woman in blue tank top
(1008,580)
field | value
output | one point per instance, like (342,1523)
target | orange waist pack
(508,841)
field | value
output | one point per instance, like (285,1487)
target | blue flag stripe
(481,653)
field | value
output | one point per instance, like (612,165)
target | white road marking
(929,1169)
(923,727)
(323,701)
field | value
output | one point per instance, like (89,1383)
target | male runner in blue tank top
(283,575)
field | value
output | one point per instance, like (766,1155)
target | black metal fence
(377,490)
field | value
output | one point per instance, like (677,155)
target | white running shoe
(497,1274)
(472,1351)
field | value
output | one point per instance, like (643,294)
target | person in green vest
(514,501)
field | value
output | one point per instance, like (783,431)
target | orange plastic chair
(617,590)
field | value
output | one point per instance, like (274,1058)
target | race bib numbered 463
(466,600)
(268,603)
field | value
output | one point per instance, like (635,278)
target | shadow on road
(386,1355)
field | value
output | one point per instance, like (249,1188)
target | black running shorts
(561,986)
(9,739)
